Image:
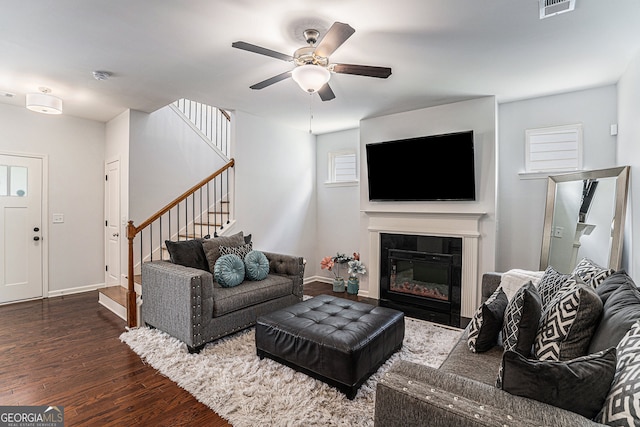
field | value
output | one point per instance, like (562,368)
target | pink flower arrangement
(328,262)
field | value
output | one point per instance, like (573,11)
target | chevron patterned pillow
(486,324)
(521,319)
(591,273)
(568,323)
(622,405)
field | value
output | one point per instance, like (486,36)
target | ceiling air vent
(554,7)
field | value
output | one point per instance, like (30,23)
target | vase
(338,284)
(353,285)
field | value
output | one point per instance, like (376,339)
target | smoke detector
(550,8)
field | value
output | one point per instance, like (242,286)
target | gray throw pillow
(622,404)
(621,311)
(612,283)
(212,246)
(521,319)
(188,253)
(580,385)
(568,323)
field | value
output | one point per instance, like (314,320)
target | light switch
(58,218)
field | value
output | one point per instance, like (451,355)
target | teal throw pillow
(256,265)
(229,271)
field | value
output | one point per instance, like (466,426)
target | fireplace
(421,275)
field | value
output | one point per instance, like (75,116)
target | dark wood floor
(65,351)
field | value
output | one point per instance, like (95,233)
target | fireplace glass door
(420,274)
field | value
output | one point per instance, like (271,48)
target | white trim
(76,290)
(342,183)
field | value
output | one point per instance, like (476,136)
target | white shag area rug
(230,378)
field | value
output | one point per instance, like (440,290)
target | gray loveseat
(189,305)
(462,391)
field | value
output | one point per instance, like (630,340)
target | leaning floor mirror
(584,218)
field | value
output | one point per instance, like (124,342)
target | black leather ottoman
(338,341)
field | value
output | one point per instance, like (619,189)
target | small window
(554,149)
(13,181)
(343,166)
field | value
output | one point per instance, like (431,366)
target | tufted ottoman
(338,341)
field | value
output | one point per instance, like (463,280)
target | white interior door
(20,228)
(112,223)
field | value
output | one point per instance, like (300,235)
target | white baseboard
(76,290)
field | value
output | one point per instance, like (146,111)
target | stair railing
(213,123)
(202,210)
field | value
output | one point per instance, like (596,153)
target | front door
(21,247)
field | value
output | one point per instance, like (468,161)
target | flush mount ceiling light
(310,77)
(43,102)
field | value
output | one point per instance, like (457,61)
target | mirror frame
(621,174)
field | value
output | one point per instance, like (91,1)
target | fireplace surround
(463,225)
(421,275)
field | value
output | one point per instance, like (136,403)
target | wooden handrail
(132,232)
(182,197)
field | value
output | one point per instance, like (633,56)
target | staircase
(203,210)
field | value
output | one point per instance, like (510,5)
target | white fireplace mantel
(465,225)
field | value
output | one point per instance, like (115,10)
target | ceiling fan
(312,67)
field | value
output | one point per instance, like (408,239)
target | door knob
(36,238)
(116,234)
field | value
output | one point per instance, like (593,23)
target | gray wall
(338,205)
(629,154)
(75,152)
(275,187)
(521,201)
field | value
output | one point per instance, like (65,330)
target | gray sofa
(189,305)
(462,391)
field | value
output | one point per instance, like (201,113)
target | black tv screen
(428,168)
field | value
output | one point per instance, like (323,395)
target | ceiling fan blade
(262,51)
(272,80)
(325,92)
(337,34)
(362,70)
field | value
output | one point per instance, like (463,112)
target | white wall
(166,159)
(521,202)
(275,187)
(628,153)
(338,204)
(75,151)
(478,115)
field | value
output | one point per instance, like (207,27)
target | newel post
(132,311)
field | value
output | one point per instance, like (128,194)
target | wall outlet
(558,232)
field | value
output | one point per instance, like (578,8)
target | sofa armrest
(490,282)
(415,395)
(173,297)
(290,266)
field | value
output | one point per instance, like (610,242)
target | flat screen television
(428,168)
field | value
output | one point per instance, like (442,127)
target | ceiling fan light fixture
(310,77)
(43,102)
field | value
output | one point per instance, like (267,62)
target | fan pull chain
(310,111)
